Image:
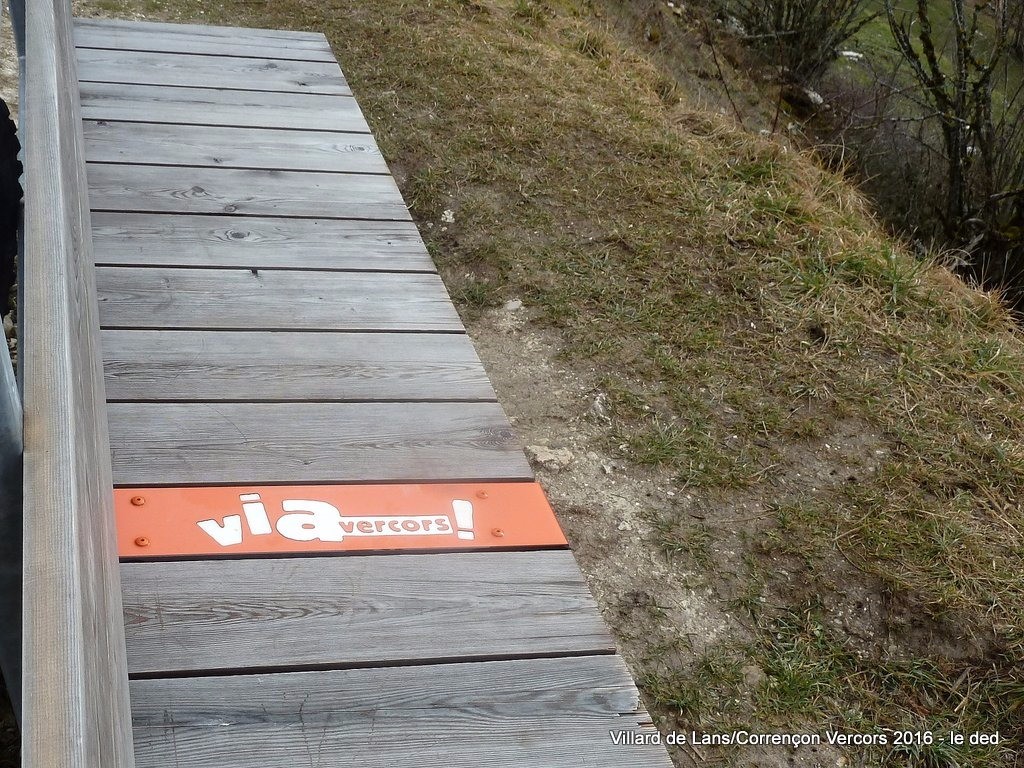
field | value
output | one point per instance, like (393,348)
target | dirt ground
(657,605)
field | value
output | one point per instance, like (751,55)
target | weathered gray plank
(291,36)
(541,712)
(273,300)
(250,74)
(157,144)
(166,38)
(211,106)
(224,365)
(199,443)
(75,709)
(137,239)
(281,614)
(171,189)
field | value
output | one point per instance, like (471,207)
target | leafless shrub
(979,136)
(801,36)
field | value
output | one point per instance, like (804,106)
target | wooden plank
(169,189)
(541,712)
(251,74)
(224,365)
(75,709)
(156,144)
(212,106)
(144,239)
(585,687)
(236,299)
(242,443)
(290,36)
(281,614)
(166,38)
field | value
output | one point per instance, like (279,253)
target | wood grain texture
(75,709)
(295,37)
(281,614)
(212,106)
(248,74)
(157,144)
(239,443)
(168,189)
(167,38)
(144,239)
(223,365)
(273,300)
(539,712)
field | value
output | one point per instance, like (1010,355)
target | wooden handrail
(75,711)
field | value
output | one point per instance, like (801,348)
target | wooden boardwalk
(272,324)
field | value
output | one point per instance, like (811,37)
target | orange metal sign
(161,522)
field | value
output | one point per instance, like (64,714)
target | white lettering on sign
(311,520)
(256,514)
(227,533)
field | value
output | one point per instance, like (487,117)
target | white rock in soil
(599,408)
(753,675)
(553,459)
(513,305)
(815,98)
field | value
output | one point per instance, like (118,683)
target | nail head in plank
(107,66)
(273,299)
(146,239)
(241,443)
(171,189)
(212,106)
(157,144)
(225,365)
(550,712)
(208,615)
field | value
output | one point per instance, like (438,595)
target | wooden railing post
(11,468)
(75,711)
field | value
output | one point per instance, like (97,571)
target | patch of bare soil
(665,609)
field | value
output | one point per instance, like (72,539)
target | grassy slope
(743,306)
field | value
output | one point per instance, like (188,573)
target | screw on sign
(270,519)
